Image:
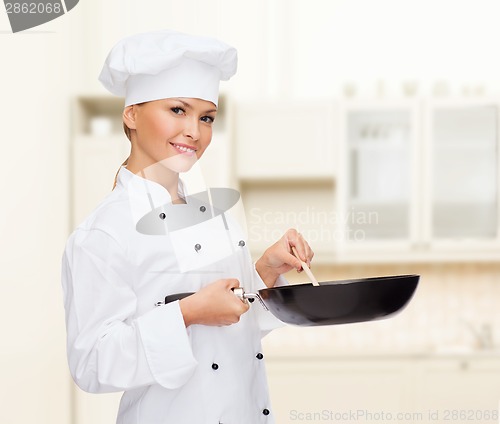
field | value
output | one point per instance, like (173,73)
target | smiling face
(174,132)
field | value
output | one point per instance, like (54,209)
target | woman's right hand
(214,304)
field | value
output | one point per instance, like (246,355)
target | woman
(197,360)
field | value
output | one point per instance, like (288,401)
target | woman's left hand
(279,259)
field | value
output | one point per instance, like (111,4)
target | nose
(192,129)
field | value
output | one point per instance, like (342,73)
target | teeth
(184,149)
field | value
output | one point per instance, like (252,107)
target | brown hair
(127,133)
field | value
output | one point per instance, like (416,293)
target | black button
(215,366)
(259,355)
(241,243)
(162,216)
(266,411)
(197,247)
(203,208)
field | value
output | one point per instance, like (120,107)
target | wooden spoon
(309,273)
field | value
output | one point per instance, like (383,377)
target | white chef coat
(118,340)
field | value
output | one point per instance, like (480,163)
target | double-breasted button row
(215,366)
(163,216)
(197,246)
(259,356)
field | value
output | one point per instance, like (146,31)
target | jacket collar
(144,195)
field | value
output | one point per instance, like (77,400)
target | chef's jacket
(119,339)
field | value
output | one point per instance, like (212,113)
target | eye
(178,110)
(208,119)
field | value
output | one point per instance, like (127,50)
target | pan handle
(176,296)
(240,292)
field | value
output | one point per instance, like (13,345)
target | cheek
(158,127)
(205,140)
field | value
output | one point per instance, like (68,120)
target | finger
(309,254)
(232,283)
(292,233)
(293,261)
(304,250)
(301,250)
(292,237)
(239,306)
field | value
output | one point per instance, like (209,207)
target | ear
(129,116)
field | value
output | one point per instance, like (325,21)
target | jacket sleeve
(109,349)
(267,321)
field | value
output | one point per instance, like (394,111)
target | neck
(159,174)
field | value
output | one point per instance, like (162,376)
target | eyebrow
(191,107)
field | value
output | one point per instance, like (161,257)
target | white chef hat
(162,64)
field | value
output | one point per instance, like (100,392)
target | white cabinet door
(271,209)
(285,140)
(329,390)
(385,389)
(378,175)
(459,390)
(461,169)
(420,179)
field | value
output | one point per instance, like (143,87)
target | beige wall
(34,223)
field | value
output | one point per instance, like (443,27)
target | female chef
(197,360)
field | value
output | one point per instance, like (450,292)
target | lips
(184,148)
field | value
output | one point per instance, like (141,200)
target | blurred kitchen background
(369,125)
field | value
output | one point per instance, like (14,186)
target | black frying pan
(333,302)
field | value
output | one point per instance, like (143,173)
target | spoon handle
(305,268)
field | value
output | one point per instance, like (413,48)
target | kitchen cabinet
(321,390)
(92,170)
(285,170)
(271,207)
(99,147)
(284,140)
(385,388)
(378,171)
(419,180)
(459,389)
(461,181)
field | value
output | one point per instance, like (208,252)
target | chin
(179,163)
